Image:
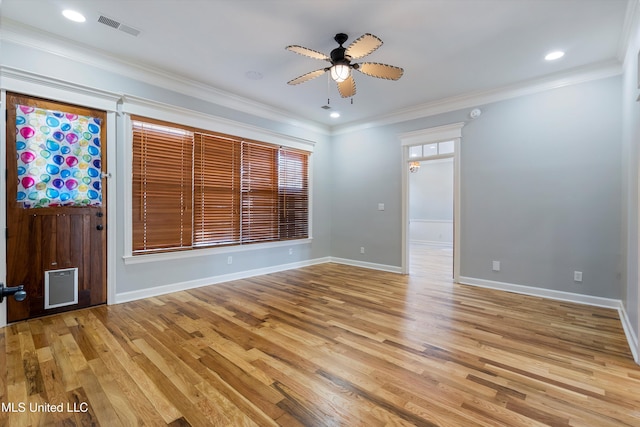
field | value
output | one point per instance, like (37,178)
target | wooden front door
(45,233)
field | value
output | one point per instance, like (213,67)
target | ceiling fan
(341,66)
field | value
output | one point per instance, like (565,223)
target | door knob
(17,291)
(99,227)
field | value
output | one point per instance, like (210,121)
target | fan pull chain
(328,89)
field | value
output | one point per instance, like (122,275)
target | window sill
(169,256)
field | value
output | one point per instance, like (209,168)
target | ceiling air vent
(118,25)
(108,21)
(129,30)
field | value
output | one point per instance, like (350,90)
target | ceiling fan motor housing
(337,56)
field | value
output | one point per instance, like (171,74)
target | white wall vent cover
(118,25)
(60,287)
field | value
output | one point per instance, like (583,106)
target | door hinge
(6,233)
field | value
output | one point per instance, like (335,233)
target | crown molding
(48,43)
(22,81)
(631,20)
(473,99)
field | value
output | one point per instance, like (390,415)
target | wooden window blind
(259,192)
(194,189)
(216,210)
(161,187)
(293,194)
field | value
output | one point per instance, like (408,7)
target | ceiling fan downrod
(337,55)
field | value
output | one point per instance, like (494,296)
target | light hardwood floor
(326,345)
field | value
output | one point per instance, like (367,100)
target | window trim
(168,113)
(210,251)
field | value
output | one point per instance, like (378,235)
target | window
(259,193)
(434,149)
(195,189)
(293,194)
(162,187)
(216,191)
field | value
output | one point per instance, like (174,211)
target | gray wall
(541,190)
(431,191)
(365,171)
(431,203)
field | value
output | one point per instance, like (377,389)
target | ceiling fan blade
(306,77)
(363,46)
(381,71)
(308,52)
(347,88)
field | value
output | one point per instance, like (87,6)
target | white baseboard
(364,264)
(544,293)
(212,280)
(632,338)
(616,304)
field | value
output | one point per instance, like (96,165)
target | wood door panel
(52,238)
(19,272)
(48,236)
(63,240)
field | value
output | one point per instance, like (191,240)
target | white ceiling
(447,48)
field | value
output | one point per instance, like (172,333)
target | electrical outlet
(229,259)
(361,249)
(577,276)
(290,251)
(495,266)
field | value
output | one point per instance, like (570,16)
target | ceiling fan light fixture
(340,72)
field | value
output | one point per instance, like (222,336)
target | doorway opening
(431,213)
(441,145)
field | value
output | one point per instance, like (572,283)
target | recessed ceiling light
(552,56)
(335,115)
(74,16)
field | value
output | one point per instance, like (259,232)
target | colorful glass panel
(58,158)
